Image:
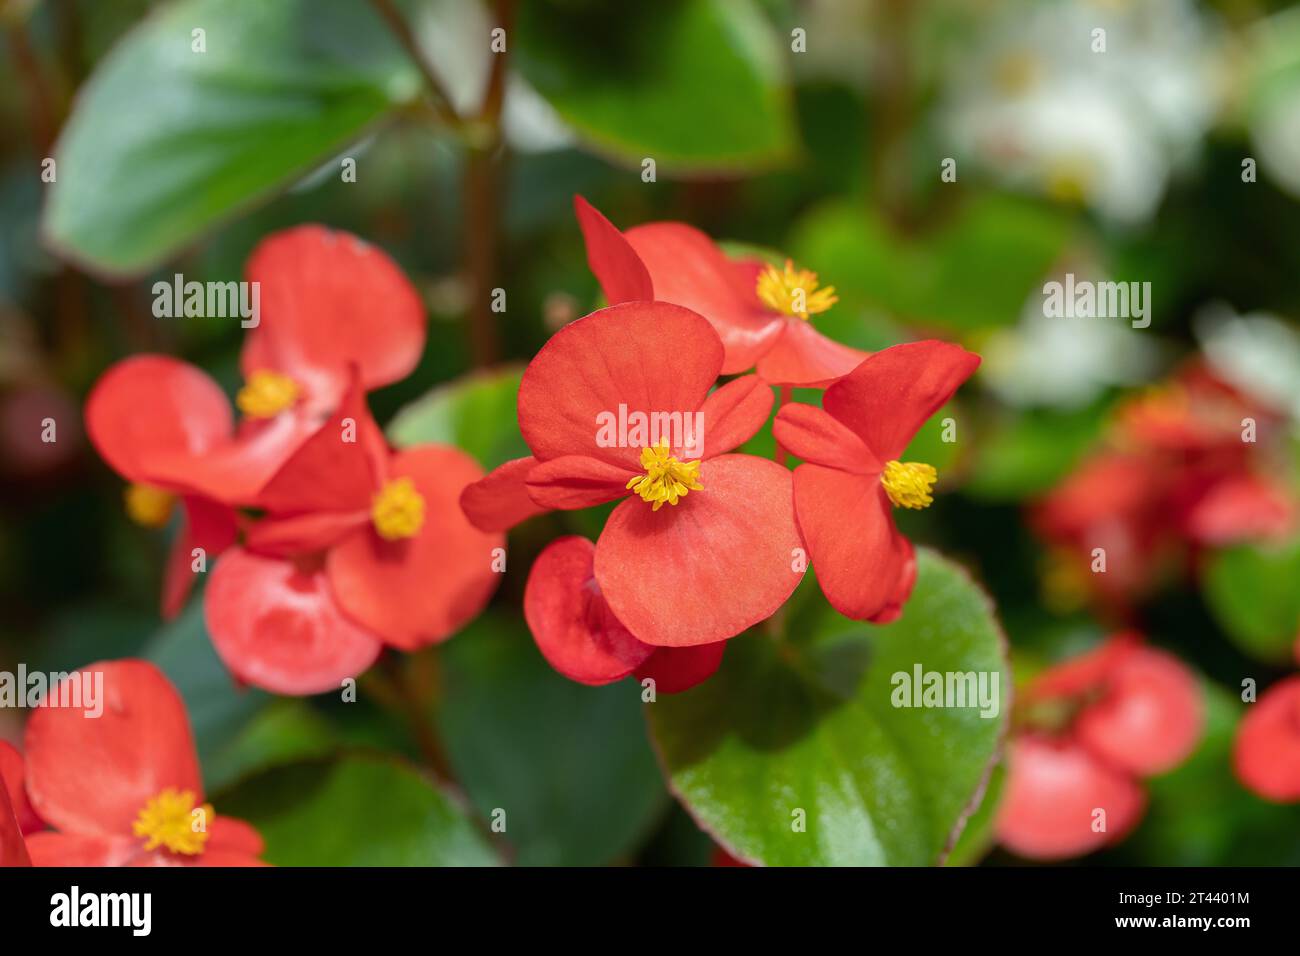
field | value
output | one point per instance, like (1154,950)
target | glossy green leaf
(166,142)
(696,85)
(1254,592)
(810,725)
(569,765)
(356,811)
(475,413)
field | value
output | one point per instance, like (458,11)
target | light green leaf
(475,413)
(810,725)
(1254,592)
(166,142)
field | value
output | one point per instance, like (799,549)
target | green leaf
(475,413)
(810,725)
(1254,593)
(165,142)
(975,271)
(356,811)
(697,85)
(570,765)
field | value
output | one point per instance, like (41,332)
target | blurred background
(815,130)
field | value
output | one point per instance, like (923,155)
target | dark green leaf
(475,413)
(356,811)
(570,765)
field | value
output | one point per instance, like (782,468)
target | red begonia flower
(276,625)
(718,558)
(13,777)
(1129,711)
(401,559)
(1054,788)
(13,848)
(1266,755)
(330,301)
(851,478)
(124,788)
(763,314)
(581,638)
(327,302)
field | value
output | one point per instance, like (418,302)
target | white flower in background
(1256,352)
(1037,107)
(1064,363)
(1273,103)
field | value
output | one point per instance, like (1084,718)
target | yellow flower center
(665,478)
(908,483)
(793,292)
(398,510)
(266,393)
(173,820)
(147,505)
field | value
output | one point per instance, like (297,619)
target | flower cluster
(702,546)
(331,545)
(1087,732)
(123,789)
(1266,754)
(1186,465)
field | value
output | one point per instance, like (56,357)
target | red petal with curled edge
(12,780)
(148,409)
(614,263)
(13,848)
(893,610)
(703,570)
(887,398)
(209,526)
(574,628)
(1052,793)
(808,432)
(162,422)
(688,269)
(733,414)
(1150,716)
(93,776)
(500,500)
(1266,756)
(650,357)
(277,626)
(576,481)
(804,357)
(338,469)
(677,669)
(423,589)
(848,527)
(329,300)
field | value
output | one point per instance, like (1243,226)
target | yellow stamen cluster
(665,478)
(793,292)
(908,483)
(266,394)
(398,510)
(147,505)
(173,820)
